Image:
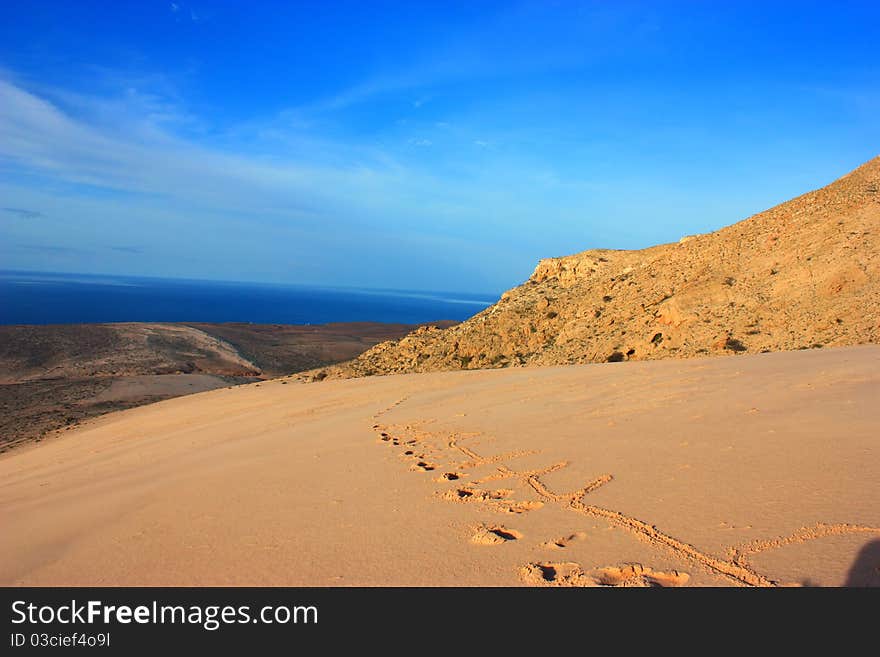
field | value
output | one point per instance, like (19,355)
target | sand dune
(758,470)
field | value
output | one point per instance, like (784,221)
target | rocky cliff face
(805,274)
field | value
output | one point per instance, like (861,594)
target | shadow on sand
(865,570)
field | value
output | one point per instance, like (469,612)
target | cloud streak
(284,186)
(311,180)
(37,136)
(24,213)
(181,13)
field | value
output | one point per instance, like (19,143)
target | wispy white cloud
(184,13)
(38,137)
(23,213)
(131,164)
(523,39)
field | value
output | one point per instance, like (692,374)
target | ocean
(45,298)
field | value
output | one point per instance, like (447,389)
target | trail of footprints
(424,451)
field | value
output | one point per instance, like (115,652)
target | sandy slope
(751,470)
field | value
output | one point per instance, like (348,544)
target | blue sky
(416,145)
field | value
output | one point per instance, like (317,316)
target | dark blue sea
(42,298)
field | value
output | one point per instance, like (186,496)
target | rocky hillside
(805,274)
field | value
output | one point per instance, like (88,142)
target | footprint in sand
(638,575)
(571,574)
(450,476)
(565,541)
(494,499)
(387,438)
(422,464)
(494,535)
(470,494)
(554,574)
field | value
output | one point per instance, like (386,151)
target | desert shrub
(734,345)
